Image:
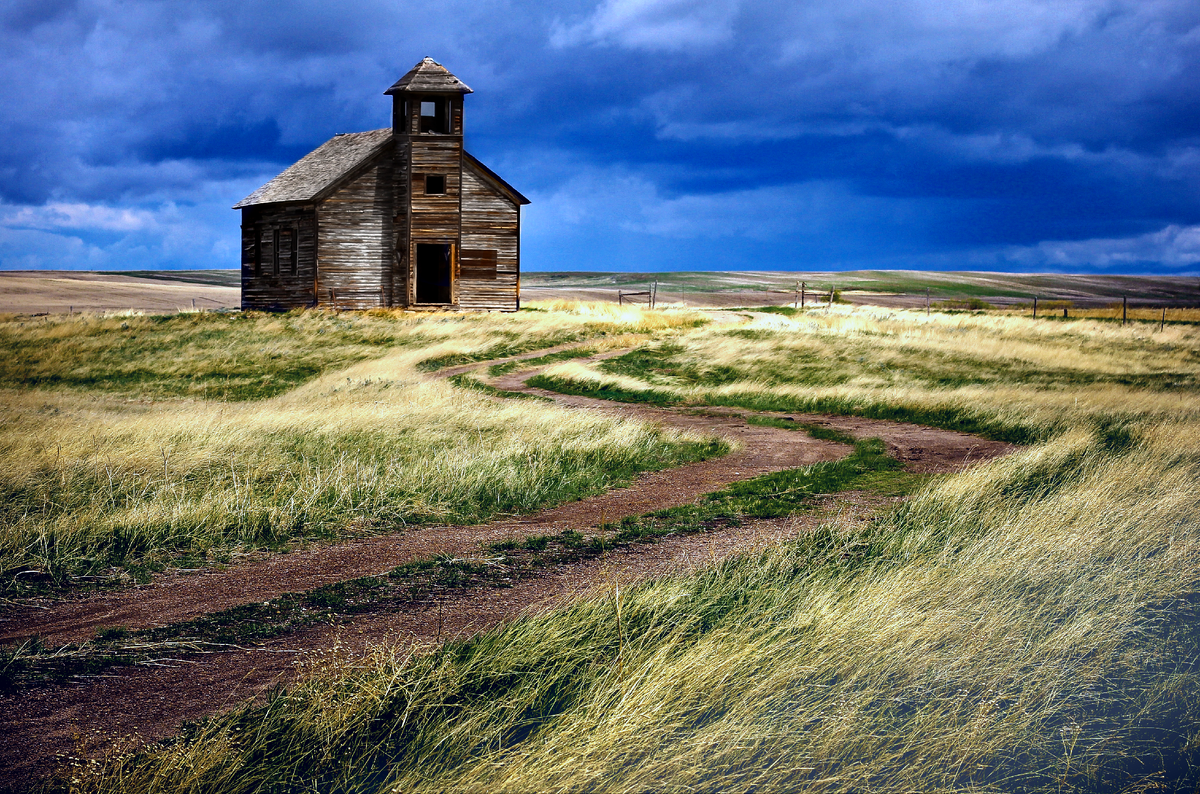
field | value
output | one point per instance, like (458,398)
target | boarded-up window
(287,249)
(265,249)
(478,263)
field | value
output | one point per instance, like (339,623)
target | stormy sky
(1034,135)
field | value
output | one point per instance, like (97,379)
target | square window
(428,108)
(435,185)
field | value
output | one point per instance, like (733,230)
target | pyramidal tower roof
(429,76)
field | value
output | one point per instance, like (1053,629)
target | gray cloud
(863,128)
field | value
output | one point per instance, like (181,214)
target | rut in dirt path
(145,704)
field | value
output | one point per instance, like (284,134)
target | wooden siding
(365,211)
(354,261)
(434,218)
(398,292)
(490,222)
(295,227)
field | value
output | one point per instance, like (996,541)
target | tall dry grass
(89,482)
(252,355)
(1026,626)
(1003,375)
(1114,311)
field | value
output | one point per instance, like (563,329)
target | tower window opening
(433,115)
(435,185)
(401,120)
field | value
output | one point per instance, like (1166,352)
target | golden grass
(1026,625)
(1035,378)
(91,481)
(1114,312)
(632,317)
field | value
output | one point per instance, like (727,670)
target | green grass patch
(237,356)
(814,430)
(514,346)
(796,361)
(602,391)
(949,417)
(465,381)
(496,370)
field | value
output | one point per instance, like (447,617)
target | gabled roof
(492,177)
(431,76)
(320,168)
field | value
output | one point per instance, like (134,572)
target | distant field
(62,292)
(895,288)
(33,292)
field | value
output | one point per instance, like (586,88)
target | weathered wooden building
(393,217)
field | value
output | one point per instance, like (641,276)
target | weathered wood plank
(490,222)
(354,261)
(291,287)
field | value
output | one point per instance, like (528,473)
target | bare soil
(60,292)
(47,727)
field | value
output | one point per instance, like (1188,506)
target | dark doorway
(433,272)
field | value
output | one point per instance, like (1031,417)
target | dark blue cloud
(1028,134)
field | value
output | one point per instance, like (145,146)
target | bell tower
(427,129)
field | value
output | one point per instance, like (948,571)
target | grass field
(128,443)
(1027,625)
(1003,376)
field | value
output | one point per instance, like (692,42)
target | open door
(435,264)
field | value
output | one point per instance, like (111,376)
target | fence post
(802,286)
(1035,307)
(1124,309)
(796,301)
(1163,323)
(620,298)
